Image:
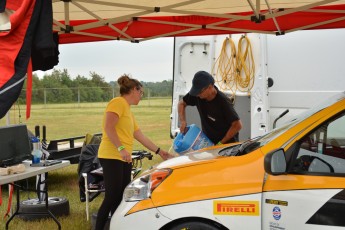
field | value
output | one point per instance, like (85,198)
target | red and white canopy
(133,20)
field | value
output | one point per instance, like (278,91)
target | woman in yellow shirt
(119,131)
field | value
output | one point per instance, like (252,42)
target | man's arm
(235,127)
(182,115)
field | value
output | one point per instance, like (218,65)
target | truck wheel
(194,225)
(59,206)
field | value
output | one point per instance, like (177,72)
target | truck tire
(58,206)
(194,225)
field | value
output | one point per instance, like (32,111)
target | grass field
(68,120)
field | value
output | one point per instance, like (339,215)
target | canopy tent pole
(256,10)
(274,19)
(101,19)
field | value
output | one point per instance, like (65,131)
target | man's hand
(183,126)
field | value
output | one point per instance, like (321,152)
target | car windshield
(252,144)
(301,117)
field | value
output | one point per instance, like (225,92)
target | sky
(149,61)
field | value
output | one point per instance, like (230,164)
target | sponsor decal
(239,208)
(277,214)
(276,202)
(275,226)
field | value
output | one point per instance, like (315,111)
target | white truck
(305,67)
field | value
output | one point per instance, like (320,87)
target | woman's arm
(145,141)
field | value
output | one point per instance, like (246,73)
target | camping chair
(93,180)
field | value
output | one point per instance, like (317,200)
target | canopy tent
(24,23)
(132,20)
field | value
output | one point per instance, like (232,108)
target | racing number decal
(239,208)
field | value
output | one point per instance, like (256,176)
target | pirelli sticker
(236,208)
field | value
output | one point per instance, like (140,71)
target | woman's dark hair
(127,84)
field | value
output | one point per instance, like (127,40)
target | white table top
(31,172)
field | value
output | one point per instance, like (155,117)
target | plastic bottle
(193,139)
(36,150)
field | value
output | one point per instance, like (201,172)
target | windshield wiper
(230,151)
(248,146)
(240,149)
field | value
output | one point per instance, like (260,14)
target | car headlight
(142,187)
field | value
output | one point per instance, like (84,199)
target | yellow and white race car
(291,178)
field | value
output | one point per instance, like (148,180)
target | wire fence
(80,95)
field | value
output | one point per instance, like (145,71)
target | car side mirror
(275,162)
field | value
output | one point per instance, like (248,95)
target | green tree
(98,81)
(56,90)
(59,87)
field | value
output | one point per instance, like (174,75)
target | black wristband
(157,151)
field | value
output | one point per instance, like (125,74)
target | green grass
(68,120)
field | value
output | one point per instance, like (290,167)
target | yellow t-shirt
(124,128)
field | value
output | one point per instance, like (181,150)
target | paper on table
(12,170)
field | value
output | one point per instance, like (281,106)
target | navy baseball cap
(200,81)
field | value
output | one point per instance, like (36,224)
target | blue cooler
(193,139)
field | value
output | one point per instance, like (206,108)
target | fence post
(78,98)
(149,96)
(45,97)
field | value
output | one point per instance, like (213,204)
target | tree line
(59,87)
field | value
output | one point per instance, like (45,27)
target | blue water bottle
(36,150)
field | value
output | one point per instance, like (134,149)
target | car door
(311,194)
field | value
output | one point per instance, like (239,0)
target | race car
(293,177)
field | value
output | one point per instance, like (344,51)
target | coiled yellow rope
(226,65)
(245,65)
(235,70)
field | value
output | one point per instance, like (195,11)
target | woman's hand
(165,155)
(126,156)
